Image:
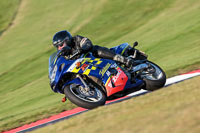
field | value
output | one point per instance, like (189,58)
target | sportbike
(89,82)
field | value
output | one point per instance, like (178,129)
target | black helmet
(60,37)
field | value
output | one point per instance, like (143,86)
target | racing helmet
(60,37)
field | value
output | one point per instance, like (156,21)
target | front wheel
(78,95)
(154,77)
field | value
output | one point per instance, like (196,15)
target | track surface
(79,110)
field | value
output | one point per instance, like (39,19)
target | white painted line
(137,93)
(180,78)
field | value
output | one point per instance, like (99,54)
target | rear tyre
(87,99)
(154,77)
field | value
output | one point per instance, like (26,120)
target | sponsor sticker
(115,78)
(108,73)
(114,65)
(102,71)
(84,67)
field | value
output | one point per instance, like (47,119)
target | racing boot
(128,62)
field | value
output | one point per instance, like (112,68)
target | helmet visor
(60,44)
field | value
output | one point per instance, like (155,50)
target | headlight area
(53,74)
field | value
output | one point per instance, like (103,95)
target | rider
(66,44)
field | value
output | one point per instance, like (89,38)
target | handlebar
(76,53)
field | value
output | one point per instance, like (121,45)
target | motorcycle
(89,82)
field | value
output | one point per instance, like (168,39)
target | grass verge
(7,13)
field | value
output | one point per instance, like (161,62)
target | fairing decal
(72,68)
(117,84)
(86,65)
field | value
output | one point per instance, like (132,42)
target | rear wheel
(90,99)
(154,77)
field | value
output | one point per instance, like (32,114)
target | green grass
(171,109)
(168,31)
(7,13)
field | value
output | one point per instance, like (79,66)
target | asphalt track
(70,113)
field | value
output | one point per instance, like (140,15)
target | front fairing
(89,66)
(55,71)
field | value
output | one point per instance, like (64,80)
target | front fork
(87,88)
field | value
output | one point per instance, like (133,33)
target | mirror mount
(135,44)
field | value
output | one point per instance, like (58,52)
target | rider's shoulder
(78,37)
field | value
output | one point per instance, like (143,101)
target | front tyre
(154,77)
(87,99)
